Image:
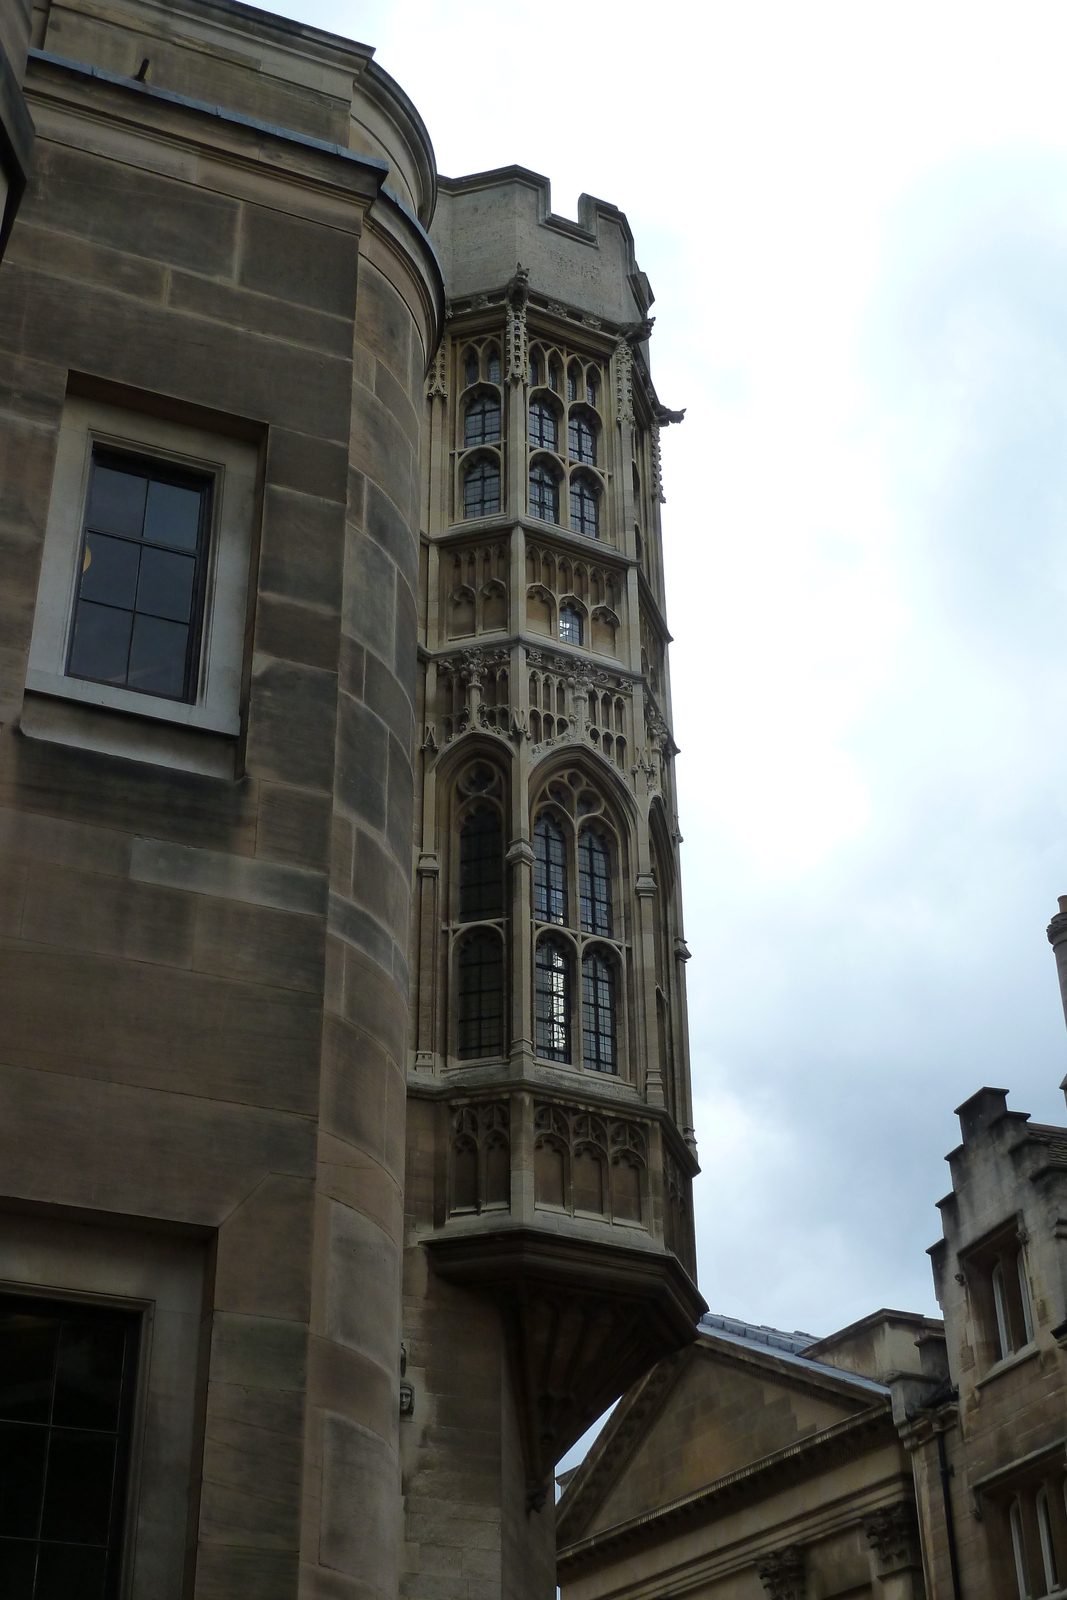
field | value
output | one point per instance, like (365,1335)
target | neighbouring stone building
(727,1473)
(754,1463)
(345,1135)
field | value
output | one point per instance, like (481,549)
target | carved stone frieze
(657,466)
(517,352)
(624,382)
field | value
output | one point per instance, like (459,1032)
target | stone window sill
(1017,1358)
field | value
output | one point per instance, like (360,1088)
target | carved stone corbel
(782,1574)
(517,295)
(893,1535)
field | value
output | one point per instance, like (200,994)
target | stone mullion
(645,946)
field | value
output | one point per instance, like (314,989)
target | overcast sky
(854,217)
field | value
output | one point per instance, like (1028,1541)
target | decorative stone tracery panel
(479,1159)
(590,1164)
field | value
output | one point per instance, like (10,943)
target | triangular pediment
(711,1412)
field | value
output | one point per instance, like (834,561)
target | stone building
(753,1464)
(345,1141)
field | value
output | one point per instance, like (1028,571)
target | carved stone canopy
(782,1574)
(582,1321)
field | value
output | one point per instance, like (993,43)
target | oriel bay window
(141,577)
(67,1385)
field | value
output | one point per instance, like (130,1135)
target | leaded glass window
(585,508)
(594,882)
(581,438)
(535,370)
(481,425)
(470,369)
(544,428)
(598,1014)
(590,387)
(574,379)
(553,994)
(68,1377)
(550,871)
(481,866)
(141,577)
(570,625)
(481,490)
(544,495)
(481,996)
(493,365)
(554,377)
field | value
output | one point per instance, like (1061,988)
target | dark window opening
(585,509)
(598,1014)
(470,370)
(574,380)
(481,425)
(535,371)
(581,438)
(553,986)
(138,609)
(550,871)
(67,1383)
(544,495)
(481,997)
(594,882)
(481,490)
(591,387)
(481,866)
(494,365)
(544,432)
(570,625)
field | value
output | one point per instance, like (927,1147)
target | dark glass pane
(482,423)
(544,495)
(594,883)
(590,390)
(109,570)
(70,1572)
(89,1375)
(101,646)
(17,1562)
(494,367)
(570,625)
(27,1360)
(117,501)
(481,490)
(553,1002)
(550,872)
(173,515)
(572,383)
(542,426)
(598,1014)
(481,997)
(22,1457)
(77,1496)
(535,371)
(470,371)
(166,585)
(157,657)
(481,866)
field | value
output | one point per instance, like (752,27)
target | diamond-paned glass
(594,882)
(598,1014)
(550,871)
(480,1005)
(481,490)
(141,578)
(552,975)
